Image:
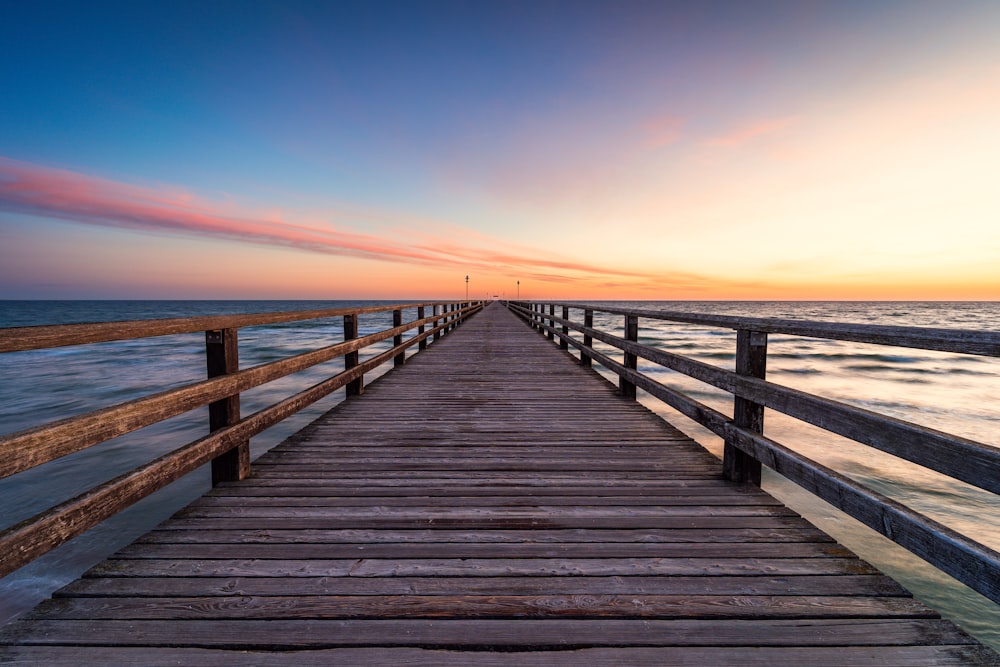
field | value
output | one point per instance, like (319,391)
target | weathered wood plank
(483,501)
(532,523)
(321,633)
(442,535)
(867,585)
(494,550)
(392,489)
(927,338)
(448,514)
(35,446)
(13,339)
(295,496)
(698,656)
(547,605)
(480,567)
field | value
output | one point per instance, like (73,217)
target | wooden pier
(492,501)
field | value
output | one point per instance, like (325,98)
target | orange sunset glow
(821,151)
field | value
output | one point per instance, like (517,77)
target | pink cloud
(55,193)
(751,131)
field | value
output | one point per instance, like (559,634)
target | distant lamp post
(466,288)
(518,290)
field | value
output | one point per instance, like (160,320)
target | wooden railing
(227,445)
(746,448)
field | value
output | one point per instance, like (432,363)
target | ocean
(948,392)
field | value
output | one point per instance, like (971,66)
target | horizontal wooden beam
(14,339)
(961,458)
(972,563)
(35,446)
(29,539)
(984,343)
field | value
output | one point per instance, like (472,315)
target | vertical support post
(588,321)
(563,345)
(626,388)
(437,334)
(397,340)
(354,387)
(552,323)
(422,345)
(751,360)
(223,357)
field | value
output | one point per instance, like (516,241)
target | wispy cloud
(750,131)
(56,193)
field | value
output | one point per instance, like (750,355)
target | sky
(572,150)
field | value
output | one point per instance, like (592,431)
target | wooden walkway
(493,497)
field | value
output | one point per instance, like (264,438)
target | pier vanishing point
(490,501)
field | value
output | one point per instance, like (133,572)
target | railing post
(354,387)
(422,345)
(751,360)
(552,323)
(626,388)
(563,345)
(437,334)
(397,340)
(222,356)
(588,321)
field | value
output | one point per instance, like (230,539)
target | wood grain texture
(37,445)
(29,539)
(676,656)
(975,564)
(16,339)
(970,461)
(490,502)
(966,341)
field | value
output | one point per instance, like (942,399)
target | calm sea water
(948,392)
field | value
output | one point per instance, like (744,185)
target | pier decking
(490,502)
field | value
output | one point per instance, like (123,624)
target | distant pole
(466,288)
(518,290)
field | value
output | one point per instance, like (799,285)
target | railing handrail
(20,451)
(19,339)
(971,562)
(965,341)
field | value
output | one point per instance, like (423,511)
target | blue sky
(637,149)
